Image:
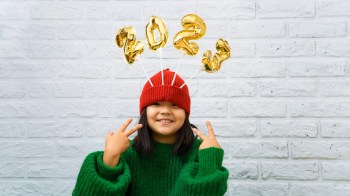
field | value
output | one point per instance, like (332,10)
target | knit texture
(167,92)
(198,172)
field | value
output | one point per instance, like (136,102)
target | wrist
(111,161)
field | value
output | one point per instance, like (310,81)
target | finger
(200,134)
(131,131)
(210,129)
(125,125)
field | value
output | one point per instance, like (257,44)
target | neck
(165,139)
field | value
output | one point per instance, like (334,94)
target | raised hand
(117,143)
(207,141)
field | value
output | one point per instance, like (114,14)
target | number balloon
(213,64)
(126,37)
(194,28)
(158,24)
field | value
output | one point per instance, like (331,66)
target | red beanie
(167,92)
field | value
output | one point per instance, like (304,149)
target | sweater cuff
(210,160)
(107,171)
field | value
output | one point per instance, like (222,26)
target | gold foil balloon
(213,64)
(126,37)
(158,24)
(194,28)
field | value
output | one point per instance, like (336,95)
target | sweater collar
(158,147)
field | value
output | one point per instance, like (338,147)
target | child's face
(165,119)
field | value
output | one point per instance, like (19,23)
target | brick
(227,128)
(258,149)
(228,89)
(243,170)
(11,90)
(335,170)
(61,12)
(317,68)
(334,88)
(333,48)
(291,48)
(63,187)
(126,90)
(257,108)
(291,128)
(47,129)
(287,88)
(100,128)
(26,149)
(261,188)
(93,70)
(333,8)
(257,69)
(85,32)
(105,50)
(320,149)
(12,169)
(120,12)
(215,29)
(320,189)
(56,89)
(98,89)
(56,50)
(27,31)
(319,108)
(167,10)
(201,108)
(13,109)
(80,149)
(83,109)
(313,29)
(53,169)
(232,10)
(11,129)
(335,129)
(252,29)
(290,171)
(26,187)
(285,9)
(12,50)
(14,12)
(126,109)
(242,49)
(26,70)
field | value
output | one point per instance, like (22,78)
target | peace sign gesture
(207,141)
(117,143)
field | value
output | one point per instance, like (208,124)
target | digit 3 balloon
(213,64)
(156,24)
(126,37)
(194,28)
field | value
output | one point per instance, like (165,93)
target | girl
(164,158)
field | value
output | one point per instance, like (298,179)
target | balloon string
(144,70)
(161,64)
(177,67)
(195,74)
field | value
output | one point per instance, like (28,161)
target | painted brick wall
(280,106)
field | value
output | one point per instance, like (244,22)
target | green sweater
(198,172)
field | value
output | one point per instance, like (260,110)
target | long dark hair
(142,142)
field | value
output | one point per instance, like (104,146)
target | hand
(117,143)
(207,141)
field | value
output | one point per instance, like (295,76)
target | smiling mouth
(164,121)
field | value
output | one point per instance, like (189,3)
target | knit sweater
(197,172)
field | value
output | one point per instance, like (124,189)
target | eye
(156,103)
(174,105)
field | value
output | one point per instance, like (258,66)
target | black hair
(142,142)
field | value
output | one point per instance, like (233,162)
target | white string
(144,70)
(195,74)
(161,64)
(178,65)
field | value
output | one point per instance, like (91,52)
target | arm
(96,178)
(205,177)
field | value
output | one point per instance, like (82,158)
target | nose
(164,110)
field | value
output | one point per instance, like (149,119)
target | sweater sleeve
(205,177)
(96,178)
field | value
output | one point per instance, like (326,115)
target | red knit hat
(167,92)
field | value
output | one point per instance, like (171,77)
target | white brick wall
(280,106)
